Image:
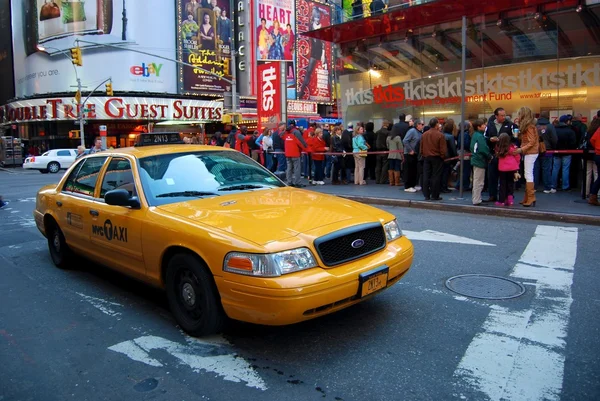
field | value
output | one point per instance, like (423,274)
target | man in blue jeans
(547,131)
(497,124)
(278,148)
(567,140)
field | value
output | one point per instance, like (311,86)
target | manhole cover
(484,286)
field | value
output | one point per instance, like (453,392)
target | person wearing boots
(529,138)
(395,157)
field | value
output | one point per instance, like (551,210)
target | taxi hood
(269,215)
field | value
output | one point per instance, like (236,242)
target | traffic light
(78,97)
(109,89)
(76,56)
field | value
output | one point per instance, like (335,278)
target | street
(93,334)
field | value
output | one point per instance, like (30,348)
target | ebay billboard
(53,26)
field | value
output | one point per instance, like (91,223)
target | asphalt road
(93,334)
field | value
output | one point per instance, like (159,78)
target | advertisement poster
(7,88)
(45,30)
(269,95)
(204,37)
(275,32)
(313,57)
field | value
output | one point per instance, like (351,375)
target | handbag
(362,153)
(49,11)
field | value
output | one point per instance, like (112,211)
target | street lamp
(79,103)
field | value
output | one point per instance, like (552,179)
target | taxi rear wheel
(59,250)
(193,296)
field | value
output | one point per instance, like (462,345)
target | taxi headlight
(392,230)
(269,265)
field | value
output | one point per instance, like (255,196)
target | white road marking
(229,366)
(101,304)
(519,355)
(436,236)
(32,199)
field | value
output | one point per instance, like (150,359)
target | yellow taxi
(223,236)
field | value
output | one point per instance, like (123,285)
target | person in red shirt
(242,138)
(294,145)
(318,147)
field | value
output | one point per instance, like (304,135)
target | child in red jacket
(508,165)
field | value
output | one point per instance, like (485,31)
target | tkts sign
(269,95)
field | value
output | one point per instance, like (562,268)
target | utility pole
(80,112)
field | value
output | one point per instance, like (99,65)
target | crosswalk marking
(519,355)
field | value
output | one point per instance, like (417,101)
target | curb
(482,210)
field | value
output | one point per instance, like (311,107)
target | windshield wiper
(186,193)
(241,187)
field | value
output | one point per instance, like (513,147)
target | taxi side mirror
(120,197)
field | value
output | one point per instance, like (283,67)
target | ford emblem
(357,243)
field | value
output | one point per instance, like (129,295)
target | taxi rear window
(200,174)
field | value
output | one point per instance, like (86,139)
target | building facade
(407,58)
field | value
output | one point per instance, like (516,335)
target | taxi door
(73,201)
(116,231)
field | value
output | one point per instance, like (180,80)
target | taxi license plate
(373,281)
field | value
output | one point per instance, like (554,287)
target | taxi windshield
(177,177)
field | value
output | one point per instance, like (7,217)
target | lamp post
(79,103)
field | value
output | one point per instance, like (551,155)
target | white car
(51,161)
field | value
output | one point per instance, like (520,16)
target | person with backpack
(547,132)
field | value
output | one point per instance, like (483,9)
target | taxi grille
(343,246)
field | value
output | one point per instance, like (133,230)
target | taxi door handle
(94,213)
(58,203)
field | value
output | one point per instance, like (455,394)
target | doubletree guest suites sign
(112,108)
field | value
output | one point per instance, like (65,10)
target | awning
(436,12)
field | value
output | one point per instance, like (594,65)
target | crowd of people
(501,155)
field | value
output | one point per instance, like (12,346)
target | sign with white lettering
(113,108)
(269,96)
(299,107)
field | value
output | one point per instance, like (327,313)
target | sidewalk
(565,207)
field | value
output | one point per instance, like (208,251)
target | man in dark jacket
(401,127)
(348,159)
(567,140)
(433,150)
(279,162)
(371,158)
(381,163)
(548,133)
(499,124)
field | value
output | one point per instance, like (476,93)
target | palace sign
(112,108)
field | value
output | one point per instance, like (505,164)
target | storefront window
(546,58)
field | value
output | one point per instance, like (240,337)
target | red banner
(269,95)
(313,56)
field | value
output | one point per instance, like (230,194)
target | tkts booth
(53,122)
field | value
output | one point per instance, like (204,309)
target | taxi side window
(83,180)
(118,176)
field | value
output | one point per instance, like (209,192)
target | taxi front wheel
(193,296)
